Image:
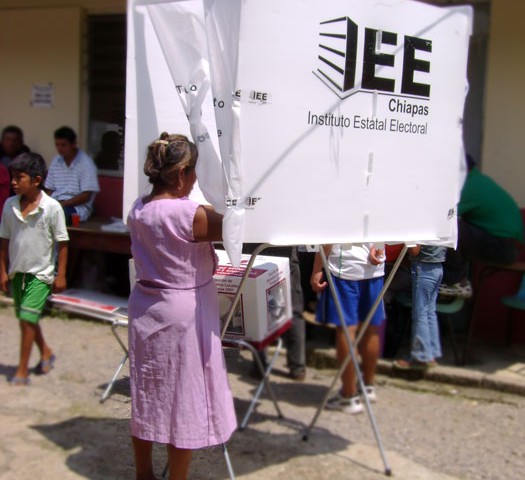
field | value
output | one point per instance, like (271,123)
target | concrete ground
(57,428)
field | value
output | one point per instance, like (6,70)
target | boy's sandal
(19,381)
(45,366)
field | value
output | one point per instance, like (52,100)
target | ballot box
(264,309)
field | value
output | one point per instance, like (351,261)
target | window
(106,80)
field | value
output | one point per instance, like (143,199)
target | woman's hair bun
(168,154)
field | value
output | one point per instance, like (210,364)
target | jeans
(426,277)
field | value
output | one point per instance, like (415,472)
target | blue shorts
(356,297)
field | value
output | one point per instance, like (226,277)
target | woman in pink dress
(180,394)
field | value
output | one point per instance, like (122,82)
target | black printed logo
(340,55)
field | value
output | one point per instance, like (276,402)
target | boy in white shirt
(357,272)
(32,226)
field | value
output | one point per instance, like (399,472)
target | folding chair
(117,322)
(102,307)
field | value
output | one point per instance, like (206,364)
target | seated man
(11,144)
(490,229)
(72,177)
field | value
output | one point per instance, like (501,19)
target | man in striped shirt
(72,177)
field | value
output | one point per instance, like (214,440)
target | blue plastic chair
(514,302)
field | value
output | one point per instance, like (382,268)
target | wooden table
(90,236)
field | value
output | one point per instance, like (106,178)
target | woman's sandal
(45,366)
(19,381)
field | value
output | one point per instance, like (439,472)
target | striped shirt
(67,182)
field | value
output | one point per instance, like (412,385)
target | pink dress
(179,387)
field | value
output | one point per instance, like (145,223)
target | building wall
(40,47)
(504,134)
(90,6)
(43,42)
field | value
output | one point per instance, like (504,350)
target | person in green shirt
(490,229)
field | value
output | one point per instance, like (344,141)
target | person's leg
(348,377)
(370,344)
(142,450)
(422,291)
(295,337)
(436,272)
(28,332)
(33,298)
(179,460)
(43,347)
(47,358)
(369,348)
(294,340)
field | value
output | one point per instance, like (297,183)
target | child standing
(357,272)
(427,271)
(32,225)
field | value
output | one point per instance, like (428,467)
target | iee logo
(339,57)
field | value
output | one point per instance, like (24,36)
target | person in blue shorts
(357,272)
(32,231)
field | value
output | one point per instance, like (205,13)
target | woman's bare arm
(207,225)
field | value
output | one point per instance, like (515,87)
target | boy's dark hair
(32,164)
(66,133)
(13,129)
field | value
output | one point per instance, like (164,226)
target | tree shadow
(100,448)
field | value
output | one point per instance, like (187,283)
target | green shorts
(30,296)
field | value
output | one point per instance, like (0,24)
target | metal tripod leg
(114,326)
(352,356)
(265,374)
(228,462)
(226,459)
(237,296)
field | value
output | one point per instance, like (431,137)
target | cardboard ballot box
(265,307)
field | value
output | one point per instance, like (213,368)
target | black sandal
(45,366)
(19,381)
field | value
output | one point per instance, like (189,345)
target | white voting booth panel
(265,305)
(351,121)
(316,122)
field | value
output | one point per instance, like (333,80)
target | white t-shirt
(32,239)
(350,262)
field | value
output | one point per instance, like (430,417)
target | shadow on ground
(100,448)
